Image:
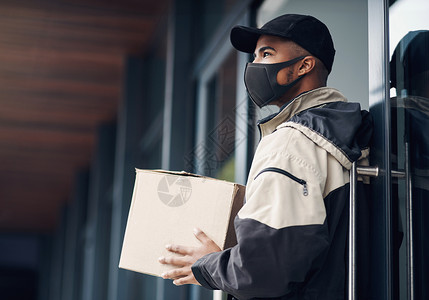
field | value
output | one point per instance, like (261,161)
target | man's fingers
(176,273)
(175,261)
(201,236)
(178,249)
(190,279)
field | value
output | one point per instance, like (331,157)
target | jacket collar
(302,102)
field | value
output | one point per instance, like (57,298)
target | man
(292,231)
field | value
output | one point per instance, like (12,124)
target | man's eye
(265,54)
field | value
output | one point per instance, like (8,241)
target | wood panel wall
(61,65)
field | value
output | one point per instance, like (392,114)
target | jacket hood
(341,128)
(344,125)
(325,117)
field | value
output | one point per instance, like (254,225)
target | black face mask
(261,81)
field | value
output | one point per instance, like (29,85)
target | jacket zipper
(294,178)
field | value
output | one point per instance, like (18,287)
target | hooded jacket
(292,230)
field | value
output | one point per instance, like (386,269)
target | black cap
(307,31)
(410,56)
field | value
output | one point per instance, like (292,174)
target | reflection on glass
(410,146)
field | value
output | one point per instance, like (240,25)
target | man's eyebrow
(262,49)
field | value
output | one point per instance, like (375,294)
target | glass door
(409,103)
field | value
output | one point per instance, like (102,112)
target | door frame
(381,242)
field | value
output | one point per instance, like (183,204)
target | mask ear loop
(295,60)
(277,67)
(280,89)
(273,78)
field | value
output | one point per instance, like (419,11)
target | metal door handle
(375,172)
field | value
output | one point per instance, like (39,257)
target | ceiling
(61,65)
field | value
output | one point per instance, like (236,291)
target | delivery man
(292,230)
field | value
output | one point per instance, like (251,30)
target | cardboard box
(167,206)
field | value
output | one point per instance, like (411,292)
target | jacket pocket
(286,173)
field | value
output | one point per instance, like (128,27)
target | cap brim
(245,38)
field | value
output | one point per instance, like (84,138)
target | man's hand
(183,273)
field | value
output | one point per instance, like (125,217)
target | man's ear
(307,64)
